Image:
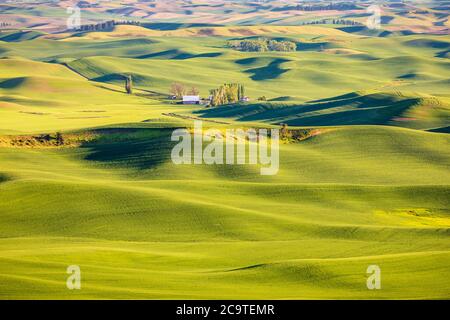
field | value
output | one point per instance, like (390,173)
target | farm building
(191,99)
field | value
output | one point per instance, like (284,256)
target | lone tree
(193,91)
(241,92)
(129,84)
(178,89)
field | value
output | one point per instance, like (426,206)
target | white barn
(191,99)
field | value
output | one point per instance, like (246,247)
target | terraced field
(371,186)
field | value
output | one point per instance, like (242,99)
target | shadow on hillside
(176,54)
(429,43)
(443,54)
(349,109)
(271,71)
(119,78)
(171,26)
(363,30)
(12,83)
(4,178)
(247,61)
(19,36)
(130,148)
(441,130)
(314,46)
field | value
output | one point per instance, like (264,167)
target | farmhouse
(191,99)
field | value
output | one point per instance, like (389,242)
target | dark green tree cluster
(127,22)
(319,7)
(283,46)
(333,21)
(107,25)
(262,45)
(228,93)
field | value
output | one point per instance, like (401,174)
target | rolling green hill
(18,36)
(370,186)
(136,222)
(38,97)
(359,108)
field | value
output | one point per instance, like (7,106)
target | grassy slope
(384,63)
(293,77)
(39,97)
(141,227)
(357,108)
(301,75)
(157,227)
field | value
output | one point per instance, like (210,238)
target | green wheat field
(371,186)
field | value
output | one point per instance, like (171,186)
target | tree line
(262,45)
(107,25)
(333,21)
(319,7)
